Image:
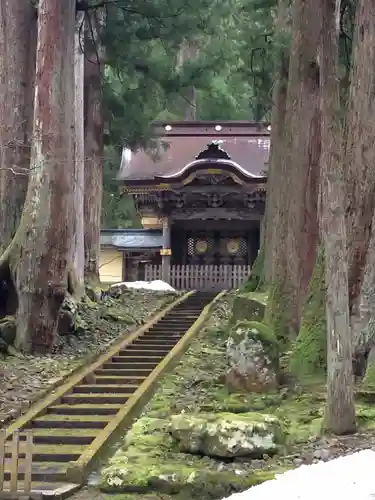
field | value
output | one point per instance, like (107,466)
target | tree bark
(296,232)
(360,151)
(39,258)
(94,145)
(363,324)
(17,73)
(340,409)
(274,209)
(302,158)
(79,156)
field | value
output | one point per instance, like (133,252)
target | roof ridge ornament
(213,150)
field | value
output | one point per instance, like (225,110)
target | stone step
(156,335)
(169,340)
(149,344)
(136,347)
(50,453)
(168,325)
(63,423)
(119,380)
(84,409)
(64,436)
(170,329)
(166,333)
(135,359)
(92,422)
(105,389)
(97,399)
(45,490)
(122,369)
(40,471)
(139,352)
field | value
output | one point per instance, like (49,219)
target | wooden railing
(194,277)
(16,457)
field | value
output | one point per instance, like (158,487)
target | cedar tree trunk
(302,155)
(274,209)
(79,156)
(94,145)
(40,256)
(340,409)
(360,150)
(18,30)
(296,236)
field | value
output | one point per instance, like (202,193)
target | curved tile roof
(247,144)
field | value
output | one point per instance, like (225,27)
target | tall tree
(79,155)
(17,71)
(340,409)
(360,153)
(300,162)
(274,208)
(94,141)
(39,259)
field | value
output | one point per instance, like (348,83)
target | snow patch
(347,478)
(157,285)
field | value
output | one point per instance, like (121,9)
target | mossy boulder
(70,321)
(227,435)
(308,356)
(149,461)
(8,330)
(248,306)
(252,353)
(94,292)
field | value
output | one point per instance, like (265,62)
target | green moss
(261,297)
(149,462)
(256,278)
(277,314)
(259,331)
(249,306)
(115,314)
(365,415)
(369,379)
(226,401)
(309,351)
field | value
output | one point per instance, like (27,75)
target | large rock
(150,461)
(252,353)
(248,306)
(8,330)
(70,322)
(227,435)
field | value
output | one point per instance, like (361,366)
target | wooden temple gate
(201,277)
(206,188)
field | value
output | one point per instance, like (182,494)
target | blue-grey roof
(131,238)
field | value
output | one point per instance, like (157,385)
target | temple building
(201,194)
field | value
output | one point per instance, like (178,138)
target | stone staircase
(65,429)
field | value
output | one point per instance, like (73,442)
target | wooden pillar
(166,251)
